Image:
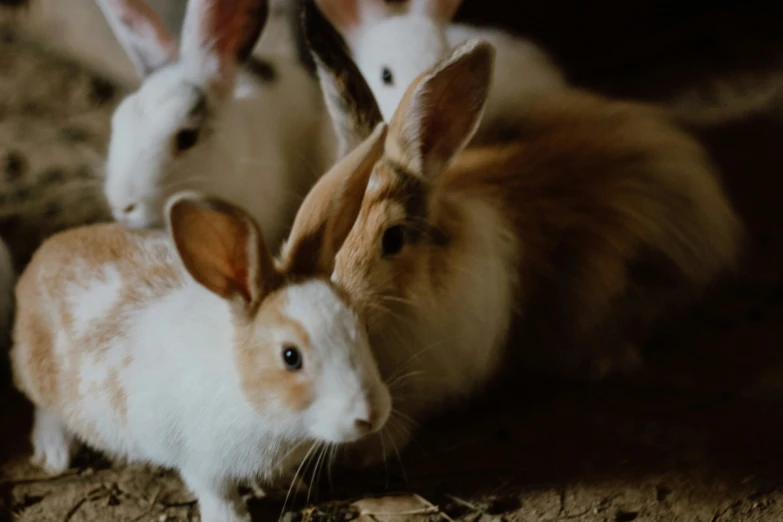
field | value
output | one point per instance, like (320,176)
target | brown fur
(72,258)
(328,212)
(261,370)
(617,215)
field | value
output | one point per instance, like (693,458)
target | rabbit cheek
(264,380)
(265,384)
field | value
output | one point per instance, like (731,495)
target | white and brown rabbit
(195,350)
(576,229)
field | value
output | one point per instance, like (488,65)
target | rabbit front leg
(218,497)
(53,445)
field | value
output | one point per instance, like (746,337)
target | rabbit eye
(292,358)
(186,139)
(386,76)
(393,240)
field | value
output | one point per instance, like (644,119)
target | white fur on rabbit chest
(182,405)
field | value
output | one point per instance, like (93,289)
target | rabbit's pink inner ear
(141,32)
(442,109)
(441,10)
(349,16)
(219,34)
(222,248)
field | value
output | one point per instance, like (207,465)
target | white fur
(185,407)
(408,43)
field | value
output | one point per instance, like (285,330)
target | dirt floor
(696,437)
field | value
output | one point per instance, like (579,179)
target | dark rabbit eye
(386,76)
(393,240)
(185,139)
(292,358)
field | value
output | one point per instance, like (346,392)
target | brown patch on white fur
(67,261)
(36,370)
(263,378)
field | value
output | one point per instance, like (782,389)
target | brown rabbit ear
(349,100)
(442,109)
(330,209)
(222,247)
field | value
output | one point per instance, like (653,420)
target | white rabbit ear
(141,32)
(349,16)
(217,35)
(441,10)
(440,111)
(222,248)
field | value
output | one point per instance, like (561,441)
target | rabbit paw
(52,444)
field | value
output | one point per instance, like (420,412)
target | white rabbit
(202,121)
(77,30)
(392,43)
(574,235)
(195,351)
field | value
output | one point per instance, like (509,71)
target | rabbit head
(167,126)
(392,43)
(302,353)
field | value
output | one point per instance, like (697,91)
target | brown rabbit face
(386,257)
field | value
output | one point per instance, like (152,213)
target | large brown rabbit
(574,230)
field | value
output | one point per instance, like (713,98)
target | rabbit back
(72,334)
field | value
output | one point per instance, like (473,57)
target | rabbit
(392,43)
(567,238)
(194,349)
(77,31)
(202,121)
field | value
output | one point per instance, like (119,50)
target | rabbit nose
(366,421)
(363,425)
(130,208)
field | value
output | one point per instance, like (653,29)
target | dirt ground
(695,437)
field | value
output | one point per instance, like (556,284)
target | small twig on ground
(422,511)
(153,503)
(35,480)
(719,514)
(94,494)
(433,506)
(465,503)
